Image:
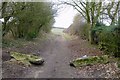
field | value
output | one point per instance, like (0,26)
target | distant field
(57,30)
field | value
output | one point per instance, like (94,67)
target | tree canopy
(26,19)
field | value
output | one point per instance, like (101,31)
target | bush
(31,35)
(96,32)
(108,39)
(28,19)
(99,24)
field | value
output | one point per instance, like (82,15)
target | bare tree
(89,10)
(111,10)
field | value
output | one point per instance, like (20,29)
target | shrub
(107,38)
(31,35)
(28,19)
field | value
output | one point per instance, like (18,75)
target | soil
(57,53)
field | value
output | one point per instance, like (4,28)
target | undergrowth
(8,42)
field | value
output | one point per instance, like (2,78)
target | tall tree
(89,10)
(28,18)
(112,10)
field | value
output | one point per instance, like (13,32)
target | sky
(65,17)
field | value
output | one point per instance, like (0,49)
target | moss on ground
(79,62)
(25,58)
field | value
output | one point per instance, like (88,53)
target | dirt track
(57,61)
(57,52)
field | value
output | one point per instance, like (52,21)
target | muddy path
(57,52)
(57,59)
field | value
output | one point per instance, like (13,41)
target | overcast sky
(65,17)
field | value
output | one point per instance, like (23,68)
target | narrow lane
(57,59)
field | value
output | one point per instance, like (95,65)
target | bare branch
(78,6)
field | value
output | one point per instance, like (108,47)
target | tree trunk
(90,36)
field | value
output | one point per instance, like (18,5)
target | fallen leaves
(108,70)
